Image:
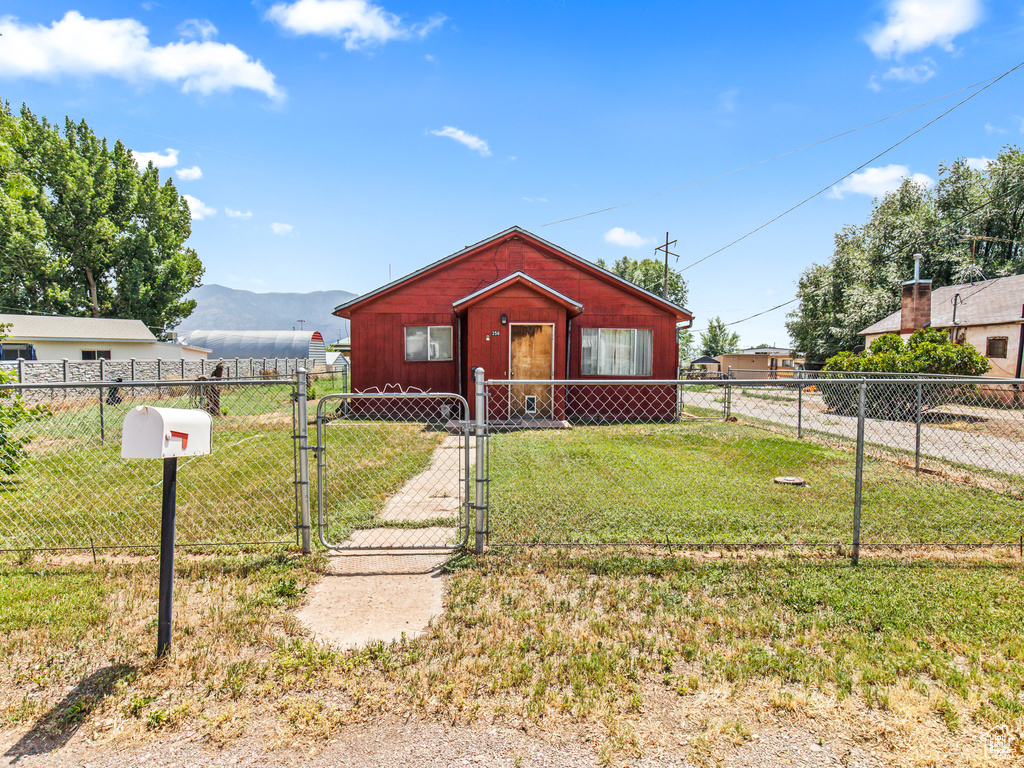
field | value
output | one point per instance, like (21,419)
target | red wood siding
(378,336)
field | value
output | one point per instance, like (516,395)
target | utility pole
(665,247)
(300,322)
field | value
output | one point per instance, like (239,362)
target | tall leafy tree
(113,237)
(649,274)
(968,227)
(718,339)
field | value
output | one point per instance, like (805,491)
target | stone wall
(49,371)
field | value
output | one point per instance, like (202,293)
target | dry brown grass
(633,653)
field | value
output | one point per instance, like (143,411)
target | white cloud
(199,209)
(919,73)
(168,159)
(361,24)
(535,199)
(990,129)
(237,214)
(913,25)
(190,174)
(875,182)
(467,139)
(727,99)
(978,163)
(281,229)
(121,48)
(624,237)
(197,29)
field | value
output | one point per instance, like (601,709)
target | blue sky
(324,142)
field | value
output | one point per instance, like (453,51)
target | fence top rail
(906,379)
(138,384)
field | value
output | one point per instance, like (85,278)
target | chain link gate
(393,471)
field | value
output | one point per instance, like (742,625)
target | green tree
(113,241)
(13,411)
(649,274)
(718,340)
(861,282)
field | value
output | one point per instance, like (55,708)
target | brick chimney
(916,310)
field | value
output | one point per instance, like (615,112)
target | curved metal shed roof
(292,345)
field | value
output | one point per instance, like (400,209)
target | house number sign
(495,333)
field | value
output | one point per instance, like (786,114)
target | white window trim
(405,334)
(636,349)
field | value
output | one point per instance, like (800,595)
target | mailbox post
(166,433)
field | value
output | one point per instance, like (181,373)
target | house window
(995,346)
(95,354)
(616,351)
(11,352)
(787,363)
(428,342)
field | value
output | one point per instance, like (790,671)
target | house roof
(516,278)
(59,327)
(765,351)
(705,360)
(987,302)
(257,344)
(582,263)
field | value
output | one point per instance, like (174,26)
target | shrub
(928,351)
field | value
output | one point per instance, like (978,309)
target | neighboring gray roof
(259,344)
(987,302)
(59,328)
(705,360)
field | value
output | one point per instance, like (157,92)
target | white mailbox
(165,433)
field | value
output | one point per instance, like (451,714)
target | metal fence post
(800,413)
(183,367)
(858,481)
(65,361)
(917,440)
(21,370)
(159,369)
(131,369)
(103,435)
(303,447)
(481,458)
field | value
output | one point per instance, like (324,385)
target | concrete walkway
(368,595)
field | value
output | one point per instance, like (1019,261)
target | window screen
(95,354)
(995,346)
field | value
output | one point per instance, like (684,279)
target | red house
(522,308)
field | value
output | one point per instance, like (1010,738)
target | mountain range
(219,308)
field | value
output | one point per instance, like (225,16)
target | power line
(758,314)
(769,159)
(862,165)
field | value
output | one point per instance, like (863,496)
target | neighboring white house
(988,315)
(46,337)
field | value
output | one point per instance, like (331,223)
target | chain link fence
(758,462)
(393,471)
(67,487)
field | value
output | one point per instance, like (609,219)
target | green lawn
(710,482)
(75,490)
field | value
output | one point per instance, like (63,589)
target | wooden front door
(531,356)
